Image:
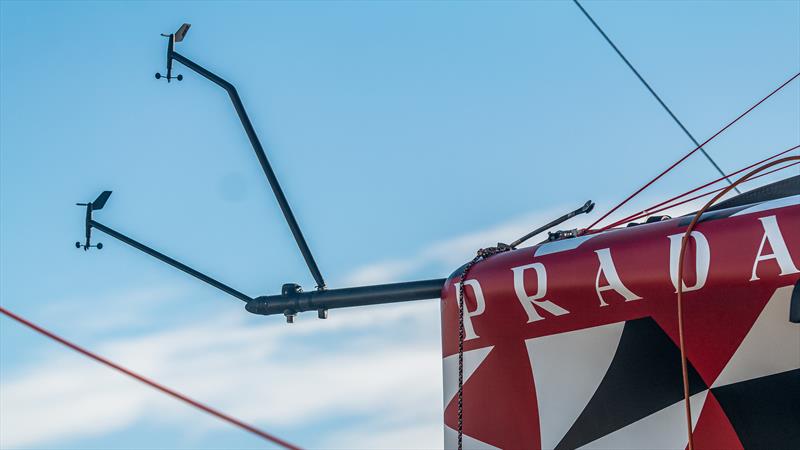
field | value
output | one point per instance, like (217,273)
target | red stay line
(652,209)
(218,414)
(690,153)
(715,191)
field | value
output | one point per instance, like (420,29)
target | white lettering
(702,259)
(480,307)
(529,302)
(779,251)
(608,269)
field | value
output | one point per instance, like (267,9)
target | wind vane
(292,299)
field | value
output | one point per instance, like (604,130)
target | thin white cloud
(445,256)
(244,367)
(394,436)
(139,305)
(272,374)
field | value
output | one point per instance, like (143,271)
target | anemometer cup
(158,76)
(97,204)
(177,36)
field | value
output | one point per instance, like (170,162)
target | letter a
(530,301)
(608,269)
(779,251)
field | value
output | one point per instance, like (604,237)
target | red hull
(574,343)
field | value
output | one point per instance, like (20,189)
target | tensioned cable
(706,194)
(652,209)
(218,414)
(647,85)
(676,163)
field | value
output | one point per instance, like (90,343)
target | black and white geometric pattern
(637,400)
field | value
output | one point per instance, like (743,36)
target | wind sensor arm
(292,299)
(91,223)
(254,141)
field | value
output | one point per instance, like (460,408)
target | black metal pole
(295,302)
(178,265)
(262,159)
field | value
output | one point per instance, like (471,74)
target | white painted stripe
(560,246)
(567,370)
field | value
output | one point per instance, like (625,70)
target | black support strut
(262,159)
(292,300)
(164,258)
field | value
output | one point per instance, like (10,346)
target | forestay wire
(647,85)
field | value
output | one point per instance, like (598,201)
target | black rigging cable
(661,102)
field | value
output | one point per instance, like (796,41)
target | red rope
(706,194)
(151,383)
(684,242)
(691,153)
(651,209)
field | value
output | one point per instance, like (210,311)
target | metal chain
(482,254)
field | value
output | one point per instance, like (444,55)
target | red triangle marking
(500,405)
(713,430)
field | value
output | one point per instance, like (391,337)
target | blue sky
(405,135)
